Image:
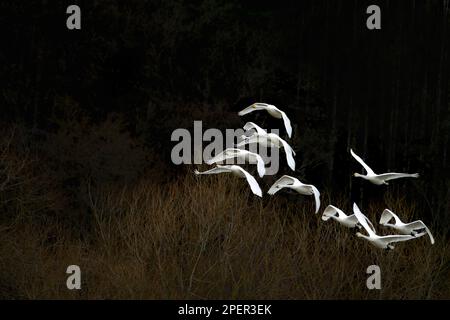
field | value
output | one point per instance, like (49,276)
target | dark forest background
(100,103)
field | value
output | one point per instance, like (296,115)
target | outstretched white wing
(388,215)
(394,175)
(252,182)
(224,155)
(289,154)
(281,183)
(316,197)
(216,170)
(287,123)
(370,224)
(256,138)
(417,225)
(362,219)
(253,107)
(251,125)
(368,169)
(395,238)
(230,153)
(331,211)
(260,164)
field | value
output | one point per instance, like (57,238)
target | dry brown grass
(209,238)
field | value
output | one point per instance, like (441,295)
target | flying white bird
(295,184)
(332,212)
(251,157)
(379,179)
(415,228)
(251,125)
(382,242)
(250,133)
(237,171)
(273,111)
(268,140)
(257,131)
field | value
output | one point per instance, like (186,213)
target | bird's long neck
(363,236)
(365,177)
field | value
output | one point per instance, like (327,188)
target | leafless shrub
(208,237)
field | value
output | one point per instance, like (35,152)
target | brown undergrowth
(209,237)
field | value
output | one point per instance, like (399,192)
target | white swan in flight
(379,179)
(268,140)
(383,242)
(251,157)
(273,111)
(332,212)
(253,129)
(251,125)
(415,228)
(295,184)
(237,171)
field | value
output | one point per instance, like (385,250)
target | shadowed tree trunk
(333,135)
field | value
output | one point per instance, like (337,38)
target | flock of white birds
(256,134)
